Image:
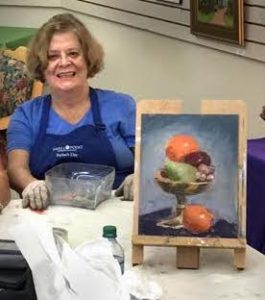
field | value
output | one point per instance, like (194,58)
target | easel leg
(188,257)
(239,258)
(137,255)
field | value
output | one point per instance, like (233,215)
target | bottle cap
(109,231)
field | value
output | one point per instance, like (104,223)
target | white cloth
(61,273)
(35,195)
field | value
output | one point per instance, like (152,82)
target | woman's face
(67,68)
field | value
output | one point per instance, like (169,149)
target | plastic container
(110,232)
(79,184)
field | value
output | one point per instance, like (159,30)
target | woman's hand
(35,195)
(126,189)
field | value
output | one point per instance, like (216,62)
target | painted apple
(197,158)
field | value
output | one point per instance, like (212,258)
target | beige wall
(148,65)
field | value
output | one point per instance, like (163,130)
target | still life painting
(189,175)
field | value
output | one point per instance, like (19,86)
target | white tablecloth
(217,278)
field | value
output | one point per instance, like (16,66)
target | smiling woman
(98,124)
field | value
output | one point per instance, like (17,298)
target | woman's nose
(64,59)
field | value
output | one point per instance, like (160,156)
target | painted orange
(197,218)
(180,145)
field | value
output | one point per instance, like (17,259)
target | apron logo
(67,150)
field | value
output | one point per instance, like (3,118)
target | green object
(178,171)
(109,231)
(13,37)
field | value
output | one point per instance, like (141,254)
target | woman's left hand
(126,189)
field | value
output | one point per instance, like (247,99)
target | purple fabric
(256,194)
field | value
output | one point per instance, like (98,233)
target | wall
(150,65)
(173,20)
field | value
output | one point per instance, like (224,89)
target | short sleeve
(19,133)
(127,124)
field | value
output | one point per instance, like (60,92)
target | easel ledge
(188,249)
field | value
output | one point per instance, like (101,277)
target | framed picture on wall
(219,19)
(171,1)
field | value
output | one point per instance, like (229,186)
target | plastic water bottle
(110,232)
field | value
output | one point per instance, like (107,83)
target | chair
(16,87)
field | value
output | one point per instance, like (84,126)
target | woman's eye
(74,54)
(53,56)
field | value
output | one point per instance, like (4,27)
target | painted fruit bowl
(179,187)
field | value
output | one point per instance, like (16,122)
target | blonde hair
(37,60)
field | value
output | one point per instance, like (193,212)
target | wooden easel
(188,248)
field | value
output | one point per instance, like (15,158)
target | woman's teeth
(66,74)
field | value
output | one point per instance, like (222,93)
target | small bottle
(110,232)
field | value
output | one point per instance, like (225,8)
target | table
(216,278)
(13,37)
(256,194)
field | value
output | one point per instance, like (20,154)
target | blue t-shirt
(117,112)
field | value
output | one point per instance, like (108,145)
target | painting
(190,179)
(219,19)
(189,175)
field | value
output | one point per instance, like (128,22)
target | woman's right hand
(35,195)
(34,192)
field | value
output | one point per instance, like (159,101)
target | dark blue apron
(86,144)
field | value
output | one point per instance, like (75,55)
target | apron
(86,144)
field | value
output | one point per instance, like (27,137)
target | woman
(75,122)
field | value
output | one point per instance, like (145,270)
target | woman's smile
(67,74)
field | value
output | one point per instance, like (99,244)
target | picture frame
(221,20)
(170,1)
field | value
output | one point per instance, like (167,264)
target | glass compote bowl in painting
(187,171)
(181,190)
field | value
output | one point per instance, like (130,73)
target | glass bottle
(110,232)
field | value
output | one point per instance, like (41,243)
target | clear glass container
(79,184)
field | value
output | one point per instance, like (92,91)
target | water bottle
(110,232)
